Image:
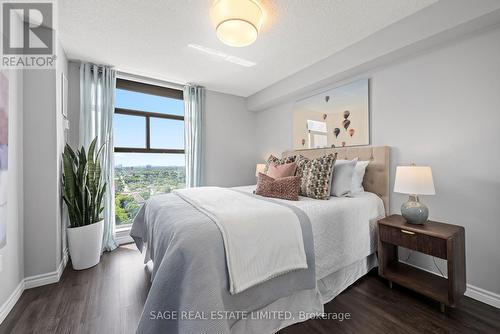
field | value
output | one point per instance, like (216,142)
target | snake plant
(83,187)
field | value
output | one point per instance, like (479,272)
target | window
(149,145)
(317,134)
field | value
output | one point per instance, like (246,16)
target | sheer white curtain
(194,106)
(97,99)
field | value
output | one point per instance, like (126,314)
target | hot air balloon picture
(341,116)
(346,123)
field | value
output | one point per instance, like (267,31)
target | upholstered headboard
(377,173)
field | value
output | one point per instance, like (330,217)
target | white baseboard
(42,279)
(11,301)
(32,282)
(47,278)
(482,295)
(472,291)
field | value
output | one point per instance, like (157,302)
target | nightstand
(441,240)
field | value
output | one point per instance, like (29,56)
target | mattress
(305,304)
(344,228)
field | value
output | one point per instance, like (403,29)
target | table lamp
(414,180)
(260,168)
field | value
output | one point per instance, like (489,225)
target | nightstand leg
(443,307)
(390,284)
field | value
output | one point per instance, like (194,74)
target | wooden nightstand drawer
(413,240)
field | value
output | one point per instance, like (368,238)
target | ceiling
(151,38)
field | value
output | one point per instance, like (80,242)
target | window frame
(150,89)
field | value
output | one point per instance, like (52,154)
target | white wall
(74,103)
(44,237)
(12,272)
(440,108)
(274,131)
(443,109)
(40,172)
(229,141)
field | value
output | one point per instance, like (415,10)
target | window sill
(123,228)
(122,235)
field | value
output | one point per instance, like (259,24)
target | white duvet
(343,228)
(262,239)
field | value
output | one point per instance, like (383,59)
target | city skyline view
(139,176)
(149,159)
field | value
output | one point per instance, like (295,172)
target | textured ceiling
(151,37)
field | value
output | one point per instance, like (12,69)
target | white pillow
(343,171)
(357,177)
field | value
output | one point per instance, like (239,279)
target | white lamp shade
(415,180)
(237,21)
(260,168)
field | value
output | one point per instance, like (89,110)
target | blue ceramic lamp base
(414,211)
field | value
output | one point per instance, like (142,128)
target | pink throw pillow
(278,171)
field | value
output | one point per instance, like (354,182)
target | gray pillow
(342,177)
(358,176)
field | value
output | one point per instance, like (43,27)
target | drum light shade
(416,180)
(237,21)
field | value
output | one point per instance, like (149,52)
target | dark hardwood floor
(109,298)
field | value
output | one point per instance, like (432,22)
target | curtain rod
(100,67)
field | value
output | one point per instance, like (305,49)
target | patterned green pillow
(316,176)
(278,161)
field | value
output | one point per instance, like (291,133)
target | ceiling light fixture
(224,56)
(237,21)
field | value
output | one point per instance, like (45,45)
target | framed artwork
(4,158)
(339,117)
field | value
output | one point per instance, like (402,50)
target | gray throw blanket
(190,289)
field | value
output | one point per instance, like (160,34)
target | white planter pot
(85,245)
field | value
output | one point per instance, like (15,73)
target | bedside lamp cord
(433,260)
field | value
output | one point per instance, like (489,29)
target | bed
(190,290)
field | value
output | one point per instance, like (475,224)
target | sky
(130,131)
